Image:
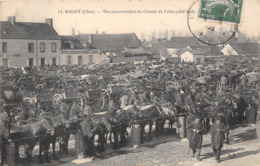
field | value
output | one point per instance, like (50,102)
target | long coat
(86,127)
(217,137)
(196,139)
(190,118)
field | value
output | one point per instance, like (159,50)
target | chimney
(48,21)
(90,39)
(11,19)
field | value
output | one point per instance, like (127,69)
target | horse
(149,115)
(125,117)
(170,114)
(99,126)
(60,124)
(29,134)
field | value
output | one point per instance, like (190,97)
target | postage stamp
(221,10)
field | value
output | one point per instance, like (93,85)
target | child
(217,131)
(195,142)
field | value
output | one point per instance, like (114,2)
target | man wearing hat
(195,142)
(86,129)
(217,131)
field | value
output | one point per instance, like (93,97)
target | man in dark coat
(217,131)
(195,142)
(189,119)
(86,129)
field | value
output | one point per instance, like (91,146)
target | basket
(45,97)
(71,93)
(94,93)
(118,88)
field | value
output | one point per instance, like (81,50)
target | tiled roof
(65,42)
(182,42)
(24,30)
(212,50)
(246,48)
(115,42)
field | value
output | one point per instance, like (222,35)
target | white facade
(18,54)
(173,52)
(228,50)
(82,57)
(187,56)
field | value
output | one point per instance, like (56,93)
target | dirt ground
(171,150)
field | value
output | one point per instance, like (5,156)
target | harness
(161,113)
(46,127)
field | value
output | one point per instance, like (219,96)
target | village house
(242,49)
(173,47)
(195,56)
(118,47)
(28,44)
(73,52)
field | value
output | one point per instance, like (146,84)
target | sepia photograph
(129,83)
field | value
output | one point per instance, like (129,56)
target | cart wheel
(57,98)
(100,103)
(105,99)
(217,86)
(82,101)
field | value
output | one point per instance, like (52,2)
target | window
(53,47)
(53,61)
(69,60)
(79,60)
(42,61)
(30,47)
(42,47)
(90,59)
(31,62)
(4,47)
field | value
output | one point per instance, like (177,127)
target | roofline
(26,39)
(107,34)
(78,49)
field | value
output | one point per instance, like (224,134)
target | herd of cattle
(51,103)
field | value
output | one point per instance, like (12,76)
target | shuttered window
(42,47)
(4,47)
(53,47)
(30,47)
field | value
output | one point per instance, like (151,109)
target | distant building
(183,42)
(173,47)
(195,56)
(116,46)
(242,49)
(73,52)
(28,44)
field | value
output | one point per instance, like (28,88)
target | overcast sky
(139,23)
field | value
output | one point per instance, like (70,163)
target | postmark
(213,24)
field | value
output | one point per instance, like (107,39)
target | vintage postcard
(129,82)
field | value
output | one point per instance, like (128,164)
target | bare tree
(153,34)
(166,34)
